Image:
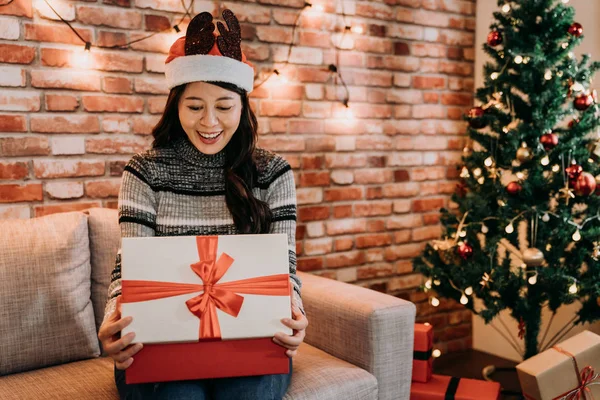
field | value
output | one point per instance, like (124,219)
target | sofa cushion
(318,375)
(82,380)
(46,315)
(105,238)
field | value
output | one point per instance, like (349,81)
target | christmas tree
(523,232)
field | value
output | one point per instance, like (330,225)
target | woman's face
(209,115)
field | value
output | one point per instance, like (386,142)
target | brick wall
(369,186)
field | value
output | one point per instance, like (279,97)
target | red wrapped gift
(442,387)
(422,358)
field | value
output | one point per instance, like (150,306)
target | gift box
(569,370)
(442,387)
(197,299)
(422,354)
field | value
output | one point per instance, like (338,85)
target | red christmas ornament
(583,101)
(513,188)
(461,189)
(549,140)
(585,184)
(521,328)
(574,171)
(476,120)
(573,123)
(464,250)
(494,38)
(576,29)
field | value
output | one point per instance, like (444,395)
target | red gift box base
(208,359)
(468,389)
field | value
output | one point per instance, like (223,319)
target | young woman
(205,176)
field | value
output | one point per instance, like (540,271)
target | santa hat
(203,56)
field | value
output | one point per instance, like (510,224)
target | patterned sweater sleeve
(137,217)
(281,198)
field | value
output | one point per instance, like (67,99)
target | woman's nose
(209,118)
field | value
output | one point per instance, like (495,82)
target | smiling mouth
(209,135)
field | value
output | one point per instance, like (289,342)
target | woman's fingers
(285,344)
(290,341)
(291,353)
(128,352)
(118,345)
(124,365)
(111,329)
(299,323)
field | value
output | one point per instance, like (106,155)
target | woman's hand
(117,347)
(298,324)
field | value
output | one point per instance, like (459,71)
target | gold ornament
(485,280)
(566,193)
(533,257)
(524,154)
(445,248)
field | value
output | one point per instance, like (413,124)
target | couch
(54,273)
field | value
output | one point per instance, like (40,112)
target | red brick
(116,124)
(111,39)
(338,260)
(344,211)
(341,227)
(117,145)
(343,244)
(116,84)
(343,194)
(345,160)
(157,23)
(312,162)
(375,271)
(19,100)
(55,33)
(122,104)
(76,80)
(376,225)
(120,3)
(13,170)
(15,193)
(280,108)
(314,179)
(320,144)
(314,39)
(373,240)
(156,105)
(61,102)
(372,209)
(102,61)
(144,124)
(116,167)
(67,168)
(274,34)
(314,213)
(106,16)
(421,205)
(318,246)
(309,195)
(310,264)
(65,124)
(20,8)
(461,99)
(283,144)
(24,146)
(102,189)
(16,54)
(151,85)
(40,211)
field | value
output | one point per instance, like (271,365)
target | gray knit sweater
(180,191)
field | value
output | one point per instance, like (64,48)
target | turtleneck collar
(189,153)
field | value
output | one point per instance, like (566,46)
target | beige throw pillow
(46,315)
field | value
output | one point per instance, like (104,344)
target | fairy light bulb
(573,288)
(532,279)
(437,282)
(523,266)
(488,162)
(494,76)
(501,203)
(506,8)
(464,173)
(469,291)
(464,299)
(571,55)
(319,8)
(477,172)
(358,29)
(484,229)
(436,353)
(518,59)
(509,228)
(520,175)
(435,301)
(555,168)
(462,233)
(565,1)
(546,217)
(481,180)
(545,160)
(348,113)
(565,45)
(548,247)
(548,75)
(577,236)
(526,60)
(577,87)
(428,284)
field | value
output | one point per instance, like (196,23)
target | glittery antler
(200,37)
(230,40)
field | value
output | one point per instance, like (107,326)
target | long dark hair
(250,214)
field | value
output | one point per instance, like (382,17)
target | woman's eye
(224,108)
(194,108)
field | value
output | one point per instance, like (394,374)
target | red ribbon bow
(215,295)
(587,377)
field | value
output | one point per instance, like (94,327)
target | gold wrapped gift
(568,371)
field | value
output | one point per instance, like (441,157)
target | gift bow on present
(215,295)
(587,377)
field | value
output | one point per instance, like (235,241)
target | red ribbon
(586,376)
(215,295)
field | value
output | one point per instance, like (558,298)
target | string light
(464,299)
(509,228)
(488,162)
(437,282)
(518,59)
(546,217)
(520,175)
(358,29)
(435,301)
(565,45)
(464,173)
(481,180)
(494,76)
(477,172)
(548,75)
(532,279)
(484,229)
(555,168)
(565,1)
(577,236)
(436,353)
(462,234)
(573,288)
(428,284)
(469,291)
(506,8)
(545,160)
(577,87)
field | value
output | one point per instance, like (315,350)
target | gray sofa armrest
(371,330)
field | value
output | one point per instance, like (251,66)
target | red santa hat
(204,56)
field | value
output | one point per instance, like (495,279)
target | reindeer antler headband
(204,56)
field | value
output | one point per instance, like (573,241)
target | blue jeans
(264,387)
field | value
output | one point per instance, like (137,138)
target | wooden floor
(470,364)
